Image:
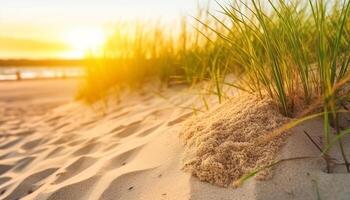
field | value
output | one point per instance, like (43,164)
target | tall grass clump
(297,52)
(290,50)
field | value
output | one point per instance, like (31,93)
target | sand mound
(219,145)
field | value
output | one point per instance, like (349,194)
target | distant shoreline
(41,63)
(42,79)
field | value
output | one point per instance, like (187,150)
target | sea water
(15,73)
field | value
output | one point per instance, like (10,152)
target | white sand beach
(52,147)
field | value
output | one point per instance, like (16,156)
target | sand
(221,145)
(52,147)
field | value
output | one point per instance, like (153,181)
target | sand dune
(60,149)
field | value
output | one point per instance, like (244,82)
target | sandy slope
(127,151)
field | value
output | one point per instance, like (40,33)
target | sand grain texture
(220,145)
(52,148)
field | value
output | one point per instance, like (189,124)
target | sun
(83,40)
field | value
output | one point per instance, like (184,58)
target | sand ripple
(78,152)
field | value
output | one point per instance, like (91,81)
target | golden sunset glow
(38,29)
(83,40)
(174,99)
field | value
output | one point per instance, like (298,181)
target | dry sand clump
(220,145)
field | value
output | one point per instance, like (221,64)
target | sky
(38,29)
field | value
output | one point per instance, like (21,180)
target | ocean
(25,73)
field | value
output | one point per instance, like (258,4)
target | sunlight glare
(83,40)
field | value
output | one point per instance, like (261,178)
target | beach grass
(295,52)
